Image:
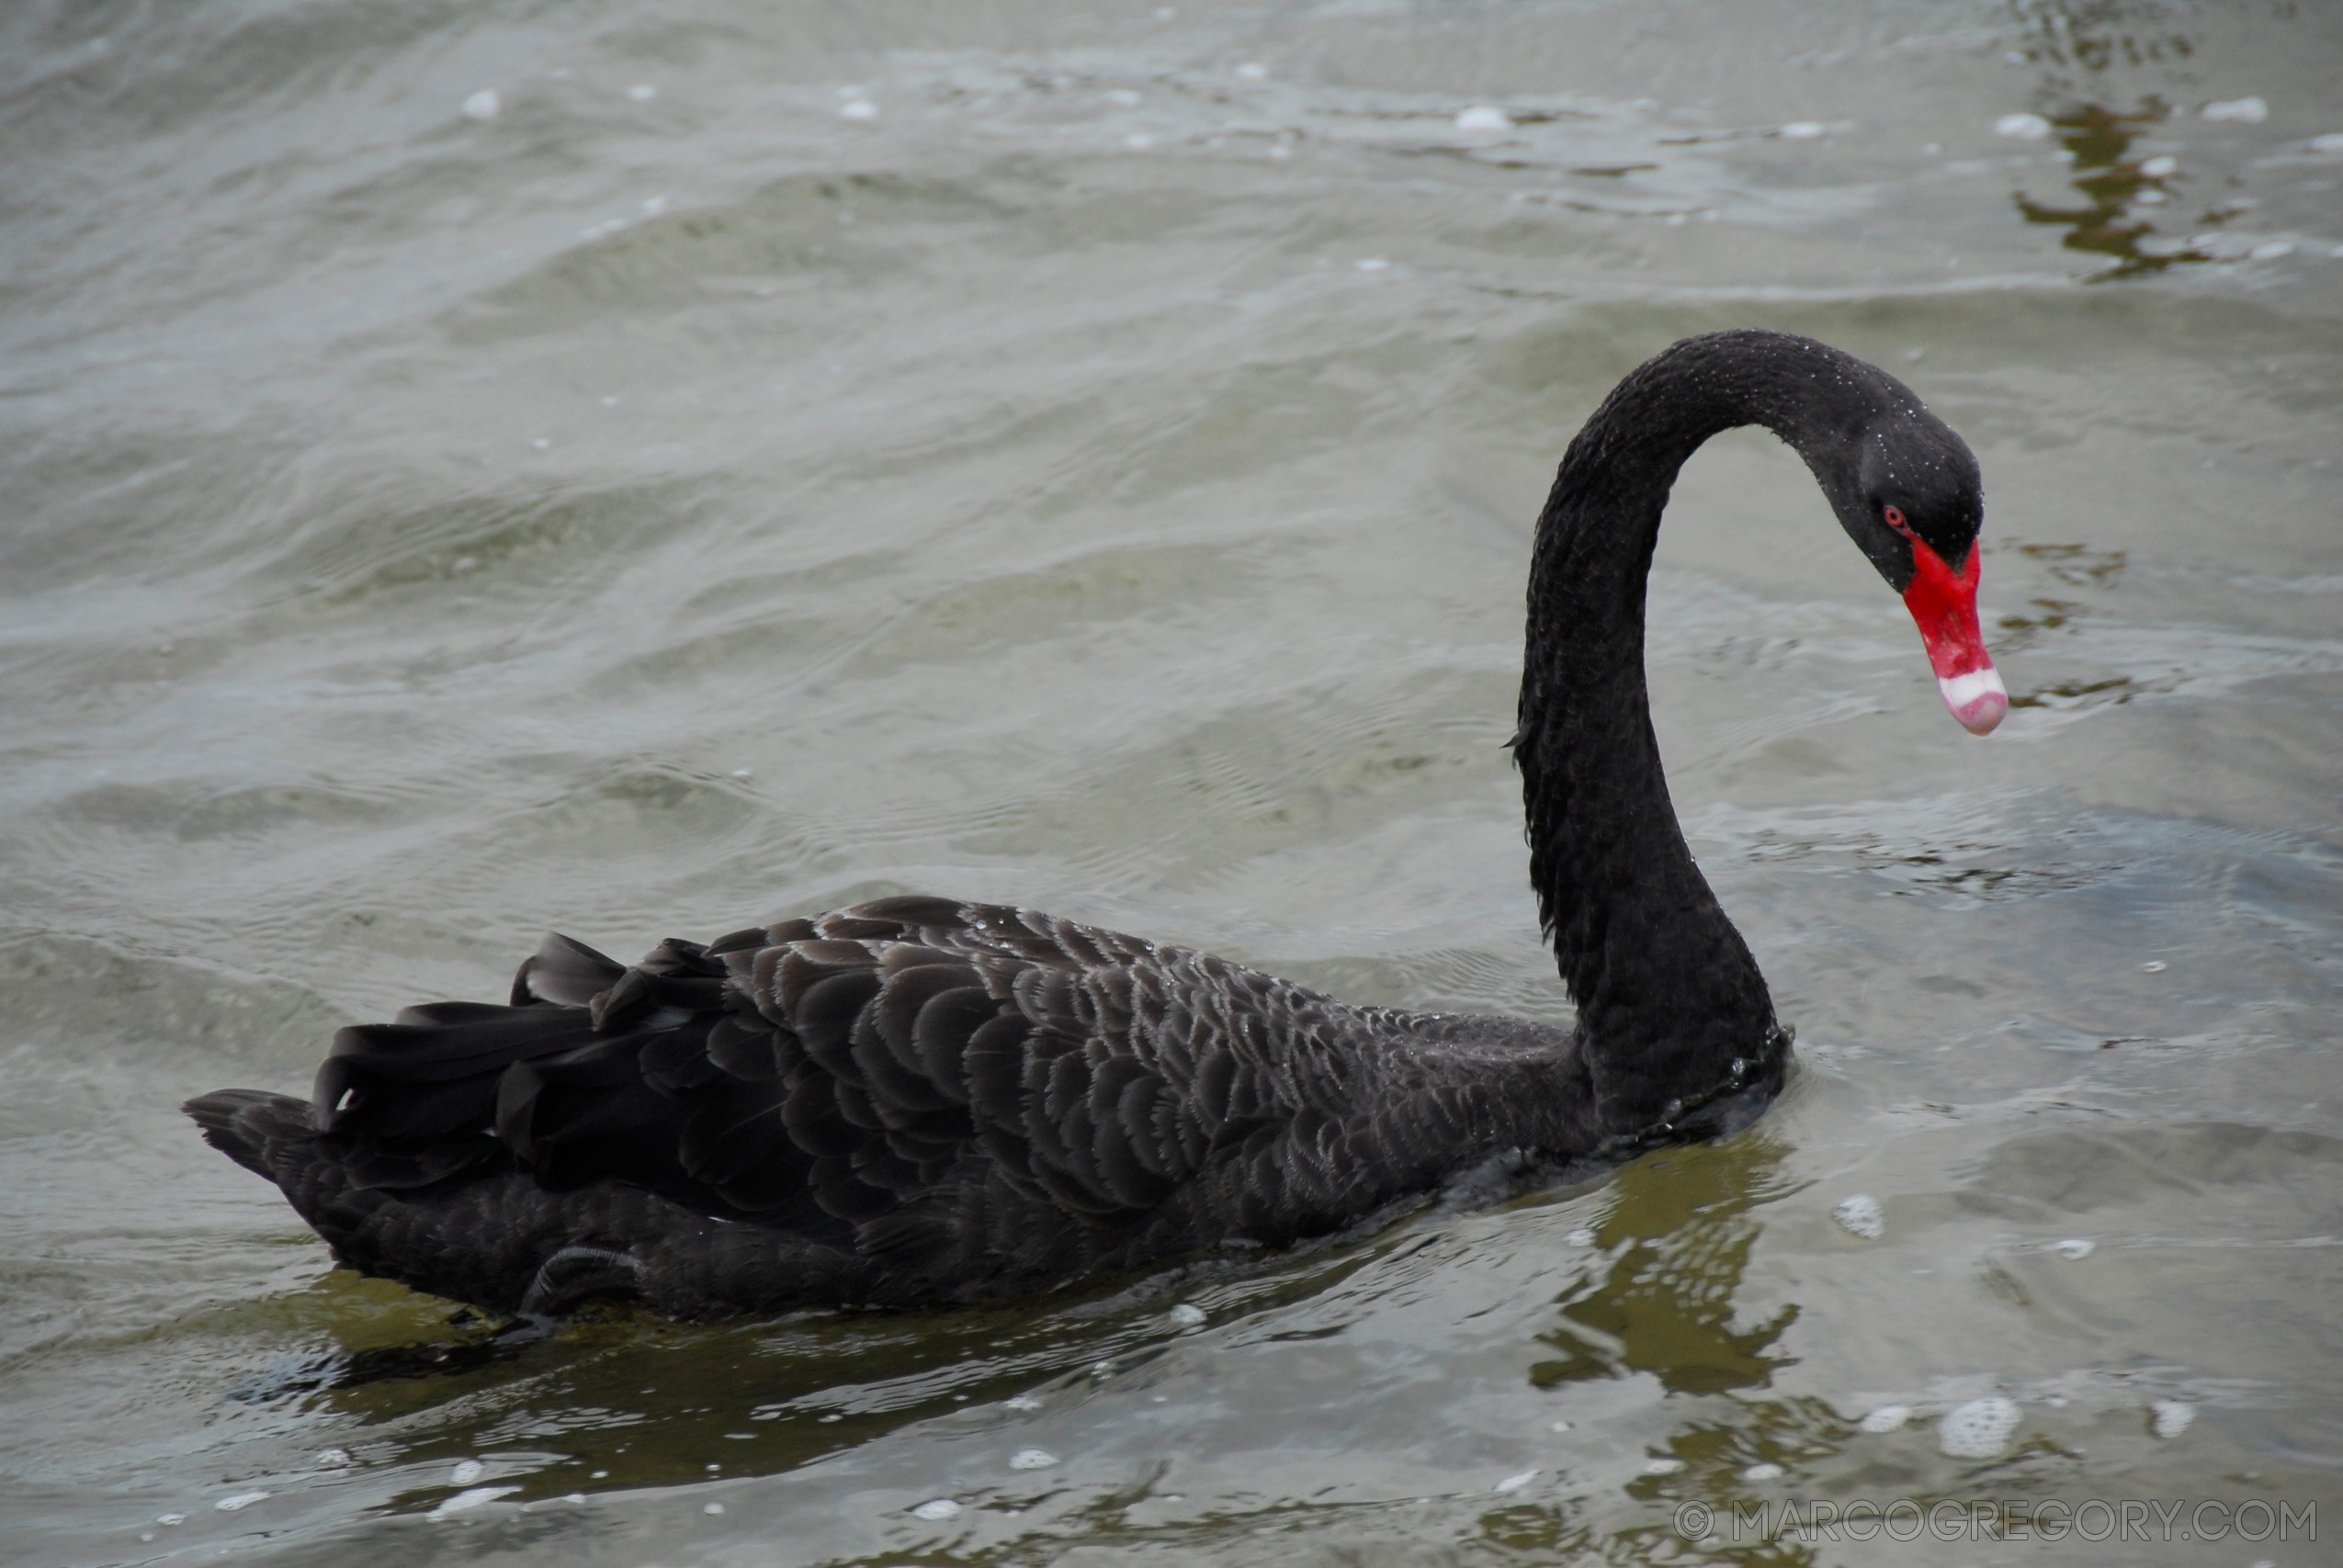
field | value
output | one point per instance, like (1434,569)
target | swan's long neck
(1668,996)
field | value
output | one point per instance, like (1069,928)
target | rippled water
(767,456)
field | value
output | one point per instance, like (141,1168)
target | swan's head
(1916,509)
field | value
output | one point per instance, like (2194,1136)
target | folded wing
(907,1078)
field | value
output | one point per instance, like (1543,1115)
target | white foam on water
(483,105)
(2172,1416)
(642,92)
(1032,1459)
(936,1510)
(1484,117)
(1187,1315)
(858,108)
(466,1501)
(1663,1466)
(1762,1472)
(238,1500)
(713,1508)
(1980,1429)
(2074,1247)
(2243,111)
(1860,1215)
(1802,130)
(2022,127)
(467,1471)
(2161,166)
(1886,1418)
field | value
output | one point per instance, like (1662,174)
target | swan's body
(921,1101)
(909,1101)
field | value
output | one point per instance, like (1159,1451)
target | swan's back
(906,1100)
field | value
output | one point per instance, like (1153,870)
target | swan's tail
(497,1243)
(256,1128)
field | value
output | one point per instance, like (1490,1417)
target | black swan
(919,1100)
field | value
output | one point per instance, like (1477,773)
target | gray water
(771,456)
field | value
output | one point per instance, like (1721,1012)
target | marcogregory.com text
(2141,1519)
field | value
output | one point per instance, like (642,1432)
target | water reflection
(615,1398)
(1679,1233)
(2095,35)
(2115,186)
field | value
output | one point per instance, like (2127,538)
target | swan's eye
(1895,516)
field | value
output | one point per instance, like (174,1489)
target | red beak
(1945,606)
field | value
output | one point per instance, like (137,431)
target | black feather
(565,973)
(823,1020)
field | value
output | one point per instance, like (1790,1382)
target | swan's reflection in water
(2075,46)
(1679,1233)
(616,1400)
(2117,189)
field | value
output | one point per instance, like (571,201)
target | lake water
(644,468)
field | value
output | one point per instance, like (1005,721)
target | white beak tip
(1977,699)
